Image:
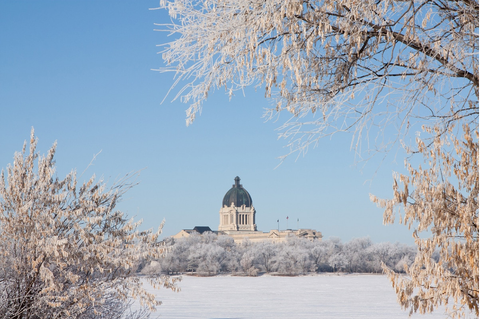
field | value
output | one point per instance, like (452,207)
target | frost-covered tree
(335,255)
(230,260)
(381,253)
(293,257)
(181,252)
(319,255)
(441,204)
(247,257)
(207,257)
(356,253)
(65,252)
(338,261)
(226,242)
(407,258)
(353,64)
(247,263)
(266,252)
(206,254)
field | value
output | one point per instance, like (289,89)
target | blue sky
(80,73)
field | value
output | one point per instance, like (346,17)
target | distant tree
(208,258)
(319,255)
(293,257)
(382,253)
(356,65)
(356,254)
(304,261)
(65,252)
(336,258)
(447,214)
(230,262)
(404,256)
(152,267)
(338,261)
(208,237)
(405,261)
(205,256)
(226,242)
(302,247)
(285,262)
(177,256)
(266,252)
(247,263)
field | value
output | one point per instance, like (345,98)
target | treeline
(209,254)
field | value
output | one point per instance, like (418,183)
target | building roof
(201,229)
(237,195)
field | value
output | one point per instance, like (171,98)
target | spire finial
(237,181)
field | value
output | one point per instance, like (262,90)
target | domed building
(237,212)
(237,220)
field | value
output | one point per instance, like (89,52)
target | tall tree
(353,64)
(441,203)
(65,252)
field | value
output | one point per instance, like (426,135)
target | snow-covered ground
(318,296)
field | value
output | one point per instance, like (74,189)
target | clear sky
(80,72)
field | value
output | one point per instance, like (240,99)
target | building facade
(237,212)
(237,220)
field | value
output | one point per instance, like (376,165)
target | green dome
(237,195)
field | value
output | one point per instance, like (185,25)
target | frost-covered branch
(335,66)
(441,201)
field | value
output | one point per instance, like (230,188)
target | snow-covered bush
(65,251)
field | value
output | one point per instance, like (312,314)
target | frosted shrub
(65,252)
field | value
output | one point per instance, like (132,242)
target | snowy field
(317,296)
